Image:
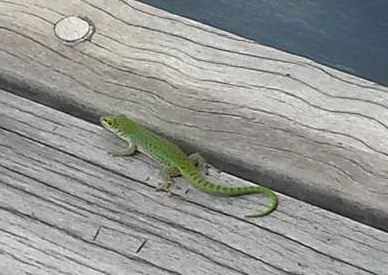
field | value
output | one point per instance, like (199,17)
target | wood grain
(66,207)
(284,121)
(344,34)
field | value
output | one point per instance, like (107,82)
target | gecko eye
(108,121)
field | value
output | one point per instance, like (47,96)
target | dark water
(351,35)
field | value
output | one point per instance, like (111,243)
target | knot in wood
(74,29)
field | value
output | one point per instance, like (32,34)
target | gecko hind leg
(166,174)
(200,162)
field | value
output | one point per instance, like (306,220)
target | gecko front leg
(130,150)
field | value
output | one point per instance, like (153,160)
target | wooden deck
(306,130)
(68,208)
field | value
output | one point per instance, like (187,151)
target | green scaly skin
(175,161)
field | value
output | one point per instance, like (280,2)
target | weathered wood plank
(67,207)
(289,123)
(345,34)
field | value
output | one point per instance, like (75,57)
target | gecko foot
(164,187)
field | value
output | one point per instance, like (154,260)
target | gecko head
(113,122)
(120,125)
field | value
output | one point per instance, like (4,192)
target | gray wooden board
(67,207)
(346,34)
(304,129)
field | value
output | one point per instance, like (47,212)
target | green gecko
(175,161)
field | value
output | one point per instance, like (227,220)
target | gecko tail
(197,180)
(271,196)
